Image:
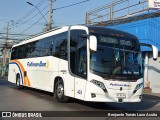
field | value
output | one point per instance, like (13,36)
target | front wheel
(59,92)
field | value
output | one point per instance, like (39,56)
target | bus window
(20,52)
(44,47)
(78,57)
(61,46)
(32,50)
(14,53)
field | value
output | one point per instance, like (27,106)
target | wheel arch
(17,75)
(20,86)
(55,80)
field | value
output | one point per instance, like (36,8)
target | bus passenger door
(80,73)
(78,62)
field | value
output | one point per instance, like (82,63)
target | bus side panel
(68,79)
(40,72)
(42,76)
(16,67)
(13,69)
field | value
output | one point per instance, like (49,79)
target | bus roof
(57,30)
(43,35)
(112,32)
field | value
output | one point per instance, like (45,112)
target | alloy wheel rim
(60,91)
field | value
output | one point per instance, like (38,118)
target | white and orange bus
(83,62)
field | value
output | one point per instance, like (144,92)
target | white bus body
(72,69)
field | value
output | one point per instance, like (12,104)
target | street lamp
(38,10)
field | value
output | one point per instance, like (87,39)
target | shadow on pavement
(4,81)
(147,102)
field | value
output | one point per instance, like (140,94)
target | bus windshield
(116,56)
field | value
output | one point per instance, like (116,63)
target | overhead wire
(30,12)
(24,22)
(33,24)
(18,22)
(56,9)
(21,20)
(71,5)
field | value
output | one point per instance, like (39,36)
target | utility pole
(49,26)
(4,61)
(49,22)
(88,21)
(4,52)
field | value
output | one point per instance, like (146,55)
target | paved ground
(13,99)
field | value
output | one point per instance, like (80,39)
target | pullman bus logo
(120,85)
(39,64)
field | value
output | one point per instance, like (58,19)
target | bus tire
(18,83)
(59,92)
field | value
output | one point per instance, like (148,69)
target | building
(147,31)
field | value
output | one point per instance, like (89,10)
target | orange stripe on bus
(26,79)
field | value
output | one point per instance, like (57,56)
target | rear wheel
(59,92)
(18,83)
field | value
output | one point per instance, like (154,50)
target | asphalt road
(13,99)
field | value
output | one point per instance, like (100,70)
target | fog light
(138,87)
(93,95)
(140,97)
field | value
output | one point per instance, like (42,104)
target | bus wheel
(59,92)
(18,84)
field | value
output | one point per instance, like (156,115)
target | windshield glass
(116,56)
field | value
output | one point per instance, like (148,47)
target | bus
(88,63)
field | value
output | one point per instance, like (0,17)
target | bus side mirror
(93,43)
(154,49)
(155,52)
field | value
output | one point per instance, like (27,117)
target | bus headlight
(138,87)
(99,84)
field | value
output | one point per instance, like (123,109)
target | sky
(23,18)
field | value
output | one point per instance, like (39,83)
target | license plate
(121,95)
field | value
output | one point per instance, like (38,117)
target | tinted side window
(28,48)
(14,53)
(33,52)
(51,46)
(61,46)
(20,52)
(37,48)
(23,52)
(78,54)
(45,51)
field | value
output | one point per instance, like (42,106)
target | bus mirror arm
(92,41)
(84,35)
(154,49)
